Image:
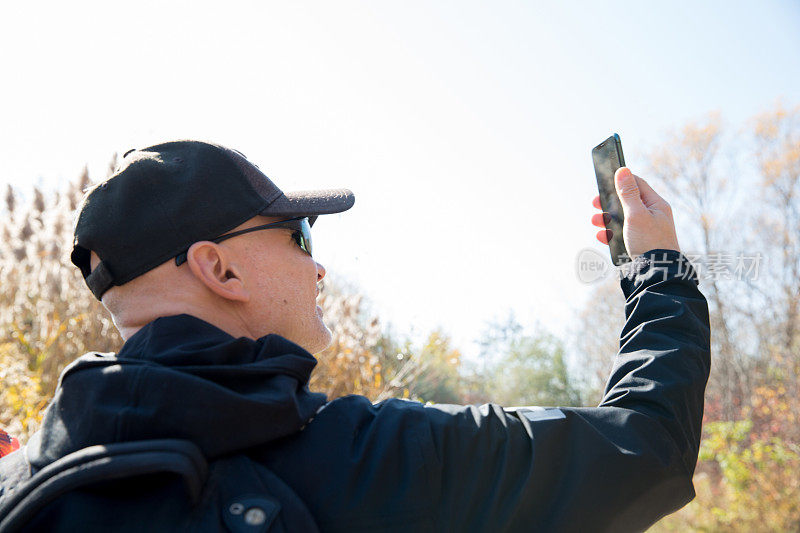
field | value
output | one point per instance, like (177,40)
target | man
(207,269)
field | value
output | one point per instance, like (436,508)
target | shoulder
(384,435)
(354,410)
(379,456)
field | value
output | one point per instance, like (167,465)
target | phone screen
(607,157)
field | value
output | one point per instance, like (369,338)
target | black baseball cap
(164,198)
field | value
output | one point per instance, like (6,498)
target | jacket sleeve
(620,466)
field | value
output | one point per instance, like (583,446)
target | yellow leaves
(19,335)
(702,134)
(769,124)
(777,134)
(741,485)
(47,316)
(21,396)
(706,221)
(38,350)
(351,364)
(746,477)
(363,360)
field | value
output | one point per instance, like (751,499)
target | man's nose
(320,272)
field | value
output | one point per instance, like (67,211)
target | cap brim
(311,203)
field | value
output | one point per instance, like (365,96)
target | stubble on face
(284,280)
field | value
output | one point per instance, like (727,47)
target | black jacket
(400,465)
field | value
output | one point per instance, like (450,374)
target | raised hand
(648,217)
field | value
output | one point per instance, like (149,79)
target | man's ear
(211,265)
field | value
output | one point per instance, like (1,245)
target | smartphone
(607,157)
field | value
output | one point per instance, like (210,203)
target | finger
(596,202)
(648,195)
(601,220)
(628,190)
(605,236)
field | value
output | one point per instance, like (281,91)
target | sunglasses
(301,235)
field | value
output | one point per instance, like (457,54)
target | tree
(777,154)
(746,476)
(696,175)
(595,338)
(437,377)
(526,369)
(362,358)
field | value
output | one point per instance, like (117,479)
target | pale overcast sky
(464,128)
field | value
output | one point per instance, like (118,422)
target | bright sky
(464,128)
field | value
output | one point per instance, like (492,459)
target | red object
(8,443)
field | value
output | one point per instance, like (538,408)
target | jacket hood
(180,377)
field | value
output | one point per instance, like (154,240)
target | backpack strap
(104,463)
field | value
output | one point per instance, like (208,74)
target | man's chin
(324,339)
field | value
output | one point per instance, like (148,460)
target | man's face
(282,281)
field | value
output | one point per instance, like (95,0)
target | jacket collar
(181,377)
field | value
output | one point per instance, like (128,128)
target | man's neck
(227,322)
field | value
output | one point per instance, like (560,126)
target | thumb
(627,189)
